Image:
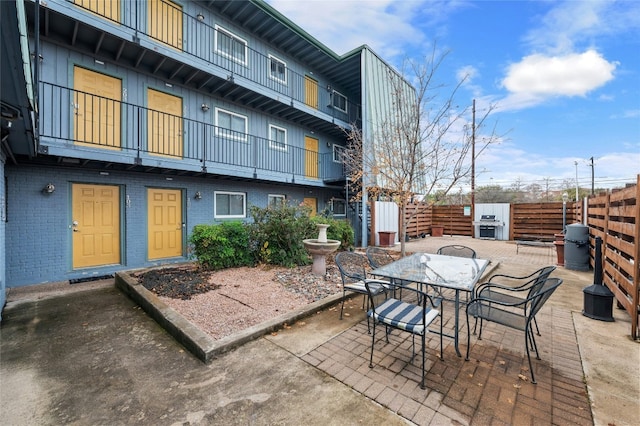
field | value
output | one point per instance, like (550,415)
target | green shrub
(221,246)
(277,233)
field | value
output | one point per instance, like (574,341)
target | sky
(563,76)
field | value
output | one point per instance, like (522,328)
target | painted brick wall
(3,198)
(38,232)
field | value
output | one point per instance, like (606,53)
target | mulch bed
(177,283)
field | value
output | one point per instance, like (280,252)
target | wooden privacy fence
(529,221)
(538,221)
(453,220)
(615,217)
(418,216)
(421,217)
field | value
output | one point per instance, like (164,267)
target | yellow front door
(164,214)
(107,8)
(165,22)
(310,92)
(311,203)
(164,124)
(311,157)
(95,225)
(96,108)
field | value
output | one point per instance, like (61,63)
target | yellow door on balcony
(310,92)
(165,22)
(109,9)
(164,124)
(311,157)
(95,225)
(164,216)
(96,107)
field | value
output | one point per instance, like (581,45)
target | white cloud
(384,25)
(537,78)
(574,74)
(571,23)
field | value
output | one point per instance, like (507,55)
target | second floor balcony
(76,125)
(176,44)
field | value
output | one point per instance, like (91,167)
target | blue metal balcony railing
(170,26)
(71,118)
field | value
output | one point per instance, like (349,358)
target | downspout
(365,195)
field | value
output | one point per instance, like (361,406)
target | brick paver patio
(493,387)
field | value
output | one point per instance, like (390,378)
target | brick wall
(38,234)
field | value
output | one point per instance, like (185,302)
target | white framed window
(230,45)
(339,101)
(275,200)
(277,138)
(231,125)
(339,207)
(338,153)
(230,205)
(277,69)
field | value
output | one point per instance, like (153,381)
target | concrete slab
(95,357)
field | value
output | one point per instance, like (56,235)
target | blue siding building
(142,119)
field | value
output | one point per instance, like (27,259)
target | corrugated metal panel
(382,88)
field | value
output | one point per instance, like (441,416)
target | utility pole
(473,167)
(593,189)
(577,196)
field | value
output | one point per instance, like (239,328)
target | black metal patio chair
(353,272)
(518,316)
(457,251)
(413,318)
(511,289)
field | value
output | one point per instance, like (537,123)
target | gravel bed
(223,302)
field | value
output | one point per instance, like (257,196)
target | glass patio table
(447,272)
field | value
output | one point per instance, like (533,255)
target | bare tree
(419,146)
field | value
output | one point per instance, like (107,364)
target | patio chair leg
(526,344)
(468,338)
(536,324)
(373,340)
(422,385)
(534,345)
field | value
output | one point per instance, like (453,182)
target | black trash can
(576,247)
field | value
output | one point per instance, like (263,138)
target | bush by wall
(277,233)
(221,246)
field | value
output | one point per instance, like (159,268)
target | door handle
(74,226)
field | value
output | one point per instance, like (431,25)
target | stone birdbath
(319,248)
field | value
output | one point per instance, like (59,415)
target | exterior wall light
(49,189)
(200,17)
(204,107)
(198,195)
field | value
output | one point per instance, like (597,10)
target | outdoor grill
(488,225)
